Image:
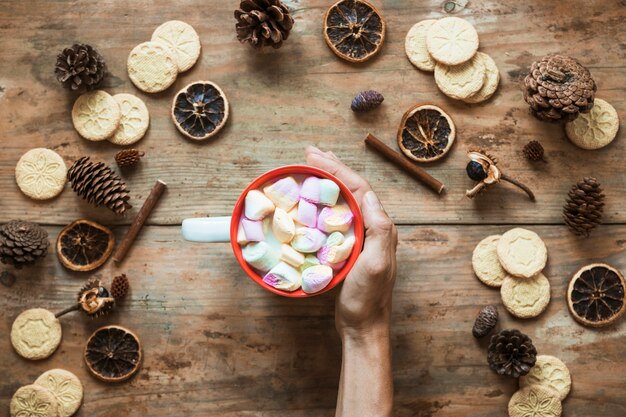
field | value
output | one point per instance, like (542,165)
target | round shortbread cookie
(415,46)
(96,115)
(522,253)
(152,67)
(452,40)
(66,389)
(135,120)
(36,333)
(33,401)
(486,263)
(492,79)
(550,372)
(182,39)
(535,401)
(596,129)
(41,174)
(460,81)
(525,298)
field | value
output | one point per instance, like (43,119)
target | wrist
(365,334)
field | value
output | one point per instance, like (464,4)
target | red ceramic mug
(224,229)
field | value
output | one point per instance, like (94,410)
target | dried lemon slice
(426,133)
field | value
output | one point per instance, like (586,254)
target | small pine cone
(22,243)
(533,151)
(366,101)
(485,322)
(99,185)
(128,157)
(558,88)
(120,287)
(80,67)
(263,23)
(583,209)
(511,353)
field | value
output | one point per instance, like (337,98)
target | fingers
(381,235)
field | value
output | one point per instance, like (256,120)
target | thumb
(380,231)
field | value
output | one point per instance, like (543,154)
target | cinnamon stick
(138,221)
(397,159)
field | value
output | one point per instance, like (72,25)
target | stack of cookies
(542,389)
(56,393)
(121,119)
(449,47)
(514,262)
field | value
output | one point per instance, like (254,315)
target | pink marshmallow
(335,219)
(307,213)
(253,230)
(284,193)
(310,190)
(308,240)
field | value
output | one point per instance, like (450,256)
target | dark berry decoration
(475,171)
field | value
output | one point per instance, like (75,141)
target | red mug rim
(359,228)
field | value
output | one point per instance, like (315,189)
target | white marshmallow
(309,260)
(308,240)
(282,225)
(253,230)
(257,205)
(284,193)
(329,192)
(260,255)
(307,213)
(291,256)
(241,235)
(293,213)
(335,239)
(316,278)
(310,190)
(284,277)
(335,254)
(335,219)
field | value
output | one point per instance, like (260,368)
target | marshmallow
(335,239)
(316,278)
(293,213)
(257,205)
(335,254)
(308,240)
(329,192)
(307,213)
(284,193)
(241,235)
(260,255)
(282,225)
(310,190)
(309,260)
(291,256)
(337,267)
(253,230)
(284,277)
(335,219)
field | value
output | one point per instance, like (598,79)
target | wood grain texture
(218,345)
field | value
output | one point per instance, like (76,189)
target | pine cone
(558,88)
(99,185)
(366,101)
(511,353)
(485,322)
(120,287)
(582,211)
(263,23)
(533,151)
(22,243)
(79,67)
(128,157)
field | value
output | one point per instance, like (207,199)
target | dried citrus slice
(200,110)
(596,295)
(113,353)
(426,133)
(354,30)
(84,245)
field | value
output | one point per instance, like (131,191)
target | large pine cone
(22,243)
(99,185)
(80,66)
(584,206)
(511,353)
(263,23)
(558,88)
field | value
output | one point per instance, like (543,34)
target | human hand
(364,303)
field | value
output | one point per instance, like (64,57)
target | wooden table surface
(215,343)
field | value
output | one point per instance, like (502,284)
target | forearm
(366,383)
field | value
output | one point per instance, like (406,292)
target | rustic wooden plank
(286,99)
(217,344)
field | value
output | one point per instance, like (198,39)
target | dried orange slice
(595,295)
(354,30)
(84,245)
(113,353)
(200,110)
(426,133)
